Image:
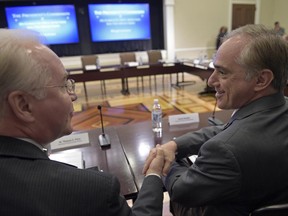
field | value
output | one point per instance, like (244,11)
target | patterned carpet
(118,109)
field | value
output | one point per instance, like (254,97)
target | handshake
(160,159)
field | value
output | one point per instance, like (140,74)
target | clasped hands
(160,159)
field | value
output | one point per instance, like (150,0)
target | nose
(212,80)
(73,96)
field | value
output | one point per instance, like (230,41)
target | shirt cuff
(154,174)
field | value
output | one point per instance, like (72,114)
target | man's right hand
(169,150)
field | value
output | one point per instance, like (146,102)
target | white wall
(280,13)
(197,22)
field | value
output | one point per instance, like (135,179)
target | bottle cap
(155,100)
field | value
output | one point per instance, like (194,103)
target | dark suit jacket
(32,184)
(238,168)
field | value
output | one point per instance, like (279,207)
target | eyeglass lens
(70,86)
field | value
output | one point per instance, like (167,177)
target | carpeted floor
(118,109)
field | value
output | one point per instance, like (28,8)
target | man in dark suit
(243,165)
(36,108)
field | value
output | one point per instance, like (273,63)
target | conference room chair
(125,58)
(272,210)
(91,62)
(88,60)
(155,57)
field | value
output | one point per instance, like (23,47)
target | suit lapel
(259,105)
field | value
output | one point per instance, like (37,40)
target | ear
(20,105)
(264,79)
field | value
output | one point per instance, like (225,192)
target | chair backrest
(88,60)
(154,56)
(272,210)
(127,57)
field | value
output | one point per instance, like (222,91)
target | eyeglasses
(69,85)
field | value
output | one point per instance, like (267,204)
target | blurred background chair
(272,210)
(91,62)
(154,56)
(125,58)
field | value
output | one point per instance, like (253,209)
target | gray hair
(263,50)
(19,67)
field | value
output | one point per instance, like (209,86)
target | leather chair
(154,56)
(88,60)
(124,58)
(127,57)
(272,210)
(91,60)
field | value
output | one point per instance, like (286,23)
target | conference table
(111,160)
(130,146)
(137,139)
(124,72)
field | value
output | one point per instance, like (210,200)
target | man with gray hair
(243,165)
(36,98)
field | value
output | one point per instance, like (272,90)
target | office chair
(154,56)
(272,210)
(91,60)
(124,58)
(127,57)
(88,60)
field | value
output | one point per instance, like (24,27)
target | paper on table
(90,67)
(131,64)
(70,157)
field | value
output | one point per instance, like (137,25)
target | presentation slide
(116,22)
(57,23)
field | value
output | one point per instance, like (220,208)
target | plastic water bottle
(200,57)
(156,117)
(98,63)
(140,61)
(176,60)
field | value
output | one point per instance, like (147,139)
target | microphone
(104,139)
(212,120)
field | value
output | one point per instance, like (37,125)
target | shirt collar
(34,143)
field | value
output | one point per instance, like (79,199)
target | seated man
(36,108)
(243,165)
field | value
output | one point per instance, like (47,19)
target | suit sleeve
(149,201)
(190,143)
(214,177)
(116,204)
(150,198)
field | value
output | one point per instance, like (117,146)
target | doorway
(243,14)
